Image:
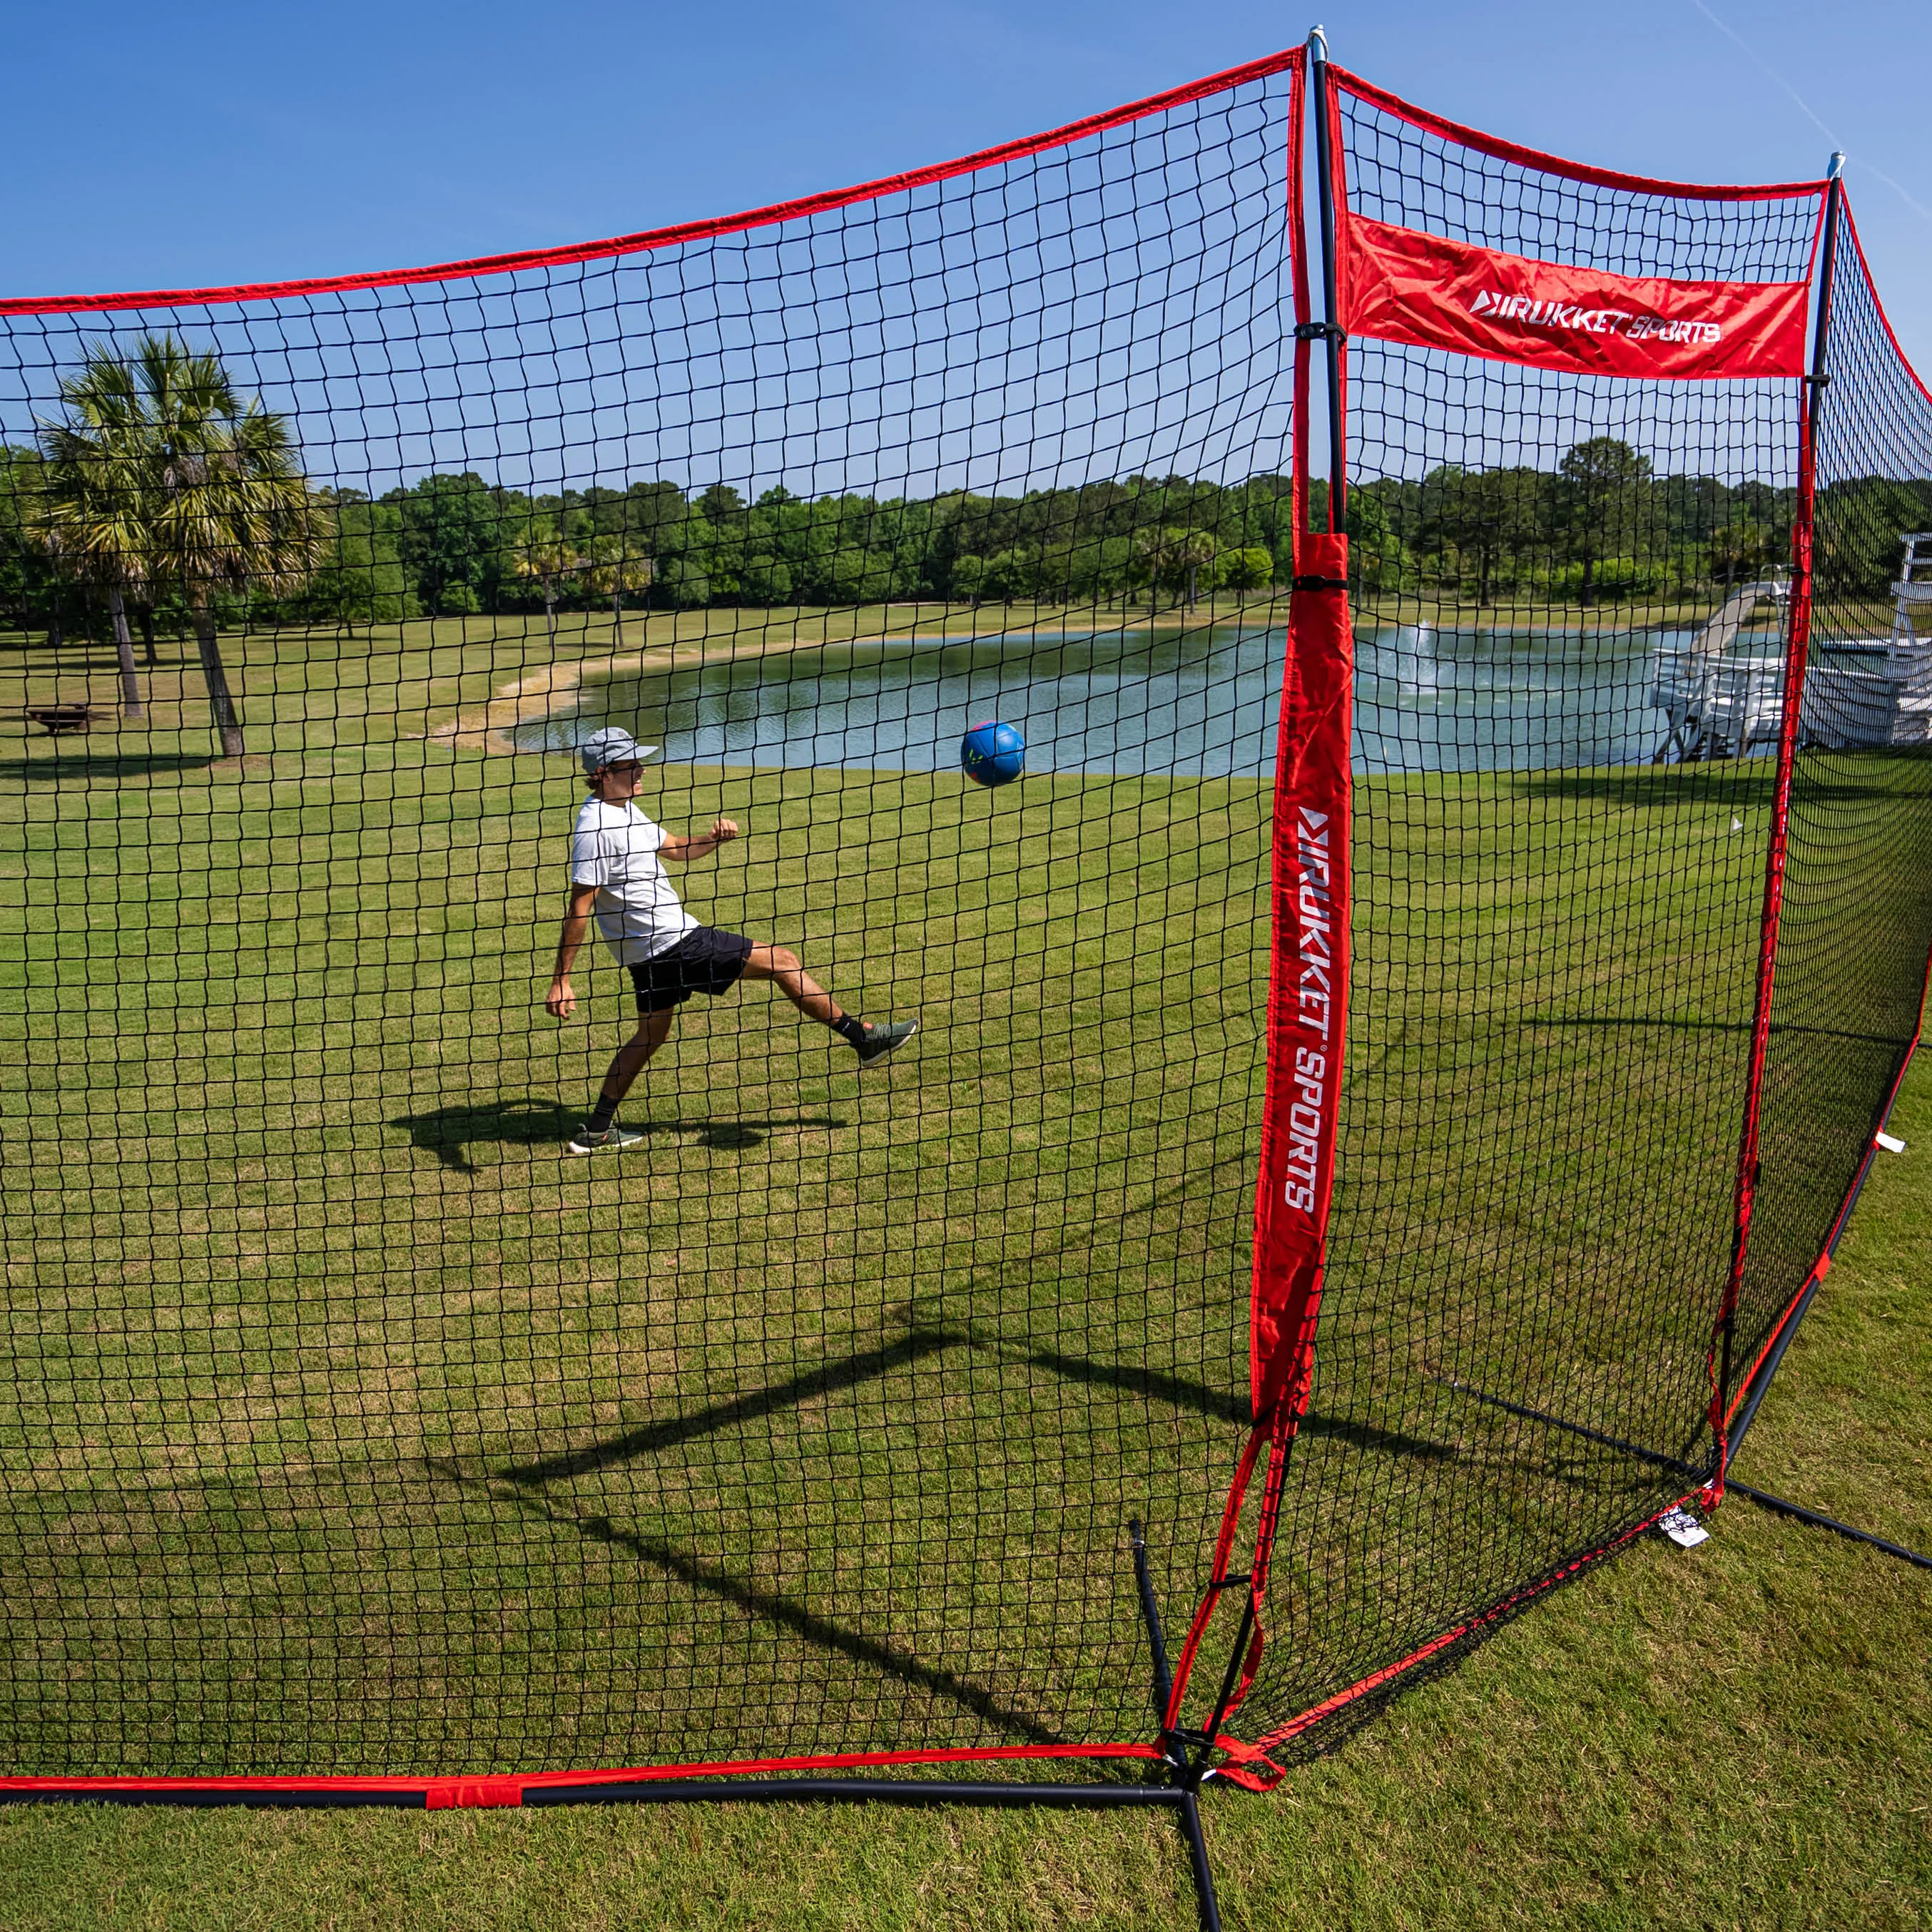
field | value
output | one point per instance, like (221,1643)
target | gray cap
(610,746)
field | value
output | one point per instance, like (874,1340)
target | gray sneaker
(880,1040)
(613,1140)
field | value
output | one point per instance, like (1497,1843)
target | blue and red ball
(992,754)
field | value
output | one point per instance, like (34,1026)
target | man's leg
(783,967)
(653,1030)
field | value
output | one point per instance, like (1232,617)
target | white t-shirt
(614,847)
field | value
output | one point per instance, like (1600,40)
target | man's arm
(683,851)
(561,1000)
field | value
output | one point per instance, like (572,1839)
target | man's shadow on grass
(61,762)
(448,1132)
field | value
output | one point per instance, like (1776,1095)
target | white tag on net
(1683,1528)
(1890,1143)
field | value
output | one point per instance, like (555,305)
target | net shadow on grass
(768,1605)
(823,1380)
(1181,1394)
(1729,783)
(1656,785)
(1743,1026)
(868,1365)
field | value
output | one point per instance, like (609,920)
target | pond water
(1196,702)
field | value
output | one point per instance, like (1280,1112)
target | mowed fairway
(348,1427)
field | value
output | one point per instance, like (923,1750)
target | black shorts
(704,960)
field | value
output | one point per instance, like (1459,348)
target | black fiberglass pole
(1816,383)
(1331,333)
(1828,255)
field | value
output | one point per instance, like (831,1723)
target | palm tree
(547,554)
(1738,548)
(161,476)
(1196,552)
(79,523)
(1153,549)
(610,570)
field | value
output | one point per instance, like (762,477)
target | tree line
(161,499)
(1602,527)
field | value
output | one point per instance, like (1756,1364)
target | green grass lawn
(1736,1736)
(345,1426)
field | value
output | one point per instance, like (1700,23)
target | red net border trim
(481,266)
(1501,150)
(494,1788)
(1822,1267)
(1741,1382)
(1329,1707)
(1469,1627)
(1871,285)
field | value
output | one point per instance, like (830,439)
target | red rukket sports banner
(1308,987)
(1403,285)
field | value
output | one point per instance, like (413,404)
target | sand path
(542,693)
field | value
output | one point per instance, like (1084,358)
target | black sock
(602,1115)
(851,1029)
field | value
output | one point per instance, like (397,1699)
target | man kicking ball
(615,866)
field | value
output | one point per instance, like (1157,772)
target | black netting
(1856,926)
(1408,173)
(347,1423)
(1571,595)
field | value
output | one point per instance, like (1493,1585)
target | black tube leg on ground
(1764,1499)
(1163,1676)
(1197,1853)
(1654,1456)
(1767,1369)
(1781,1507)
(1183,1784)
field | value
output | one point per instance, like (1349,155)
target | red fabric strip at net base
(807,1002)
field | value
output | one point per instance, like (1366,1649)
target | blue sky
(220,142)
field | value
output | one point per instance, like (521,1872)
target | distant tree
(684,583)
(1250,568)
(359,578)
(1486,514)
(1601,487)
(1159,553)
(1197,552)
(161,475)
(1379,559)
(721,506)
(1862,523)
(851,573)
(611,570)
(457,539)
(29,587)
(84,516)
(546,556)
(765,580)
(1100,567)
(1738,550)
(967,579)
(1010,575)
